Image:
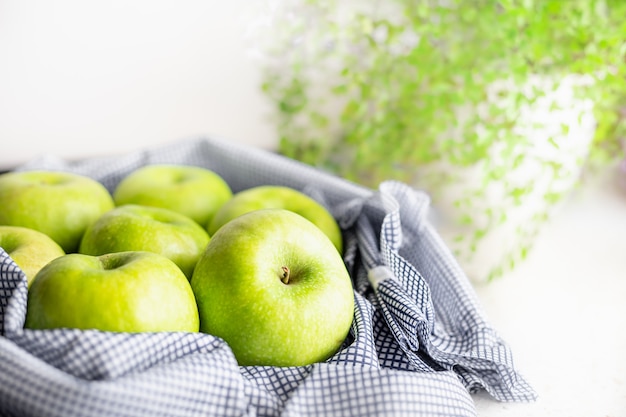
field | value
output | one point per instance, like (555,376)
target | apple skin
(59,204)
(118,292)
(30,249)
(273,196)
(193,191)
(143,228)
(241,296)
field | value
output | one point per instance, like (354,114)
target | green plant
(387,90)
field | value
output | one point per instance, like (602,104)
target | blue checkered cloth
(419,345)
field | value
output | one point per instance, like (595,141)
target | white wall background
(85,78)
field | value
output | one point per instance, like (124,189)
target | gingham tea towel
(418,346)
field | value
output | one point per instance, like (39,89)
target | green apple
(193,191)
(120,292)
(30,250)
(272,196)
(273,286)
(143,228)
(59,204)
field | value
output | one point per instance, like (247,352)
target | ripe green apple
(59,204)
(143,228)
(30,249)
(272,196)
(120,292)
(273,286)
(193,191)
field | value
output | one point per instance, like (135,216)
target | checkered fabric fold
(419,343)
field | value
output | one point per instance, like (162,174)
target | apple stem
(285,275)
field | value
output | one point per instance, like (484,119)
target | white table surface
(563,311)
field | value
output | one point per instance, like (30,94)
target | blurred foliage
(394,80)
(376,90)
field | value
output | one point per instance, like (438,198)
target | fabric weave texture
(419,345)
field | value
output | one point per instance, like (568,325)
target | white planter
(487,226)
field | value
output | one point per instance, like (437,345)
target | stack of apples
(173,249)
